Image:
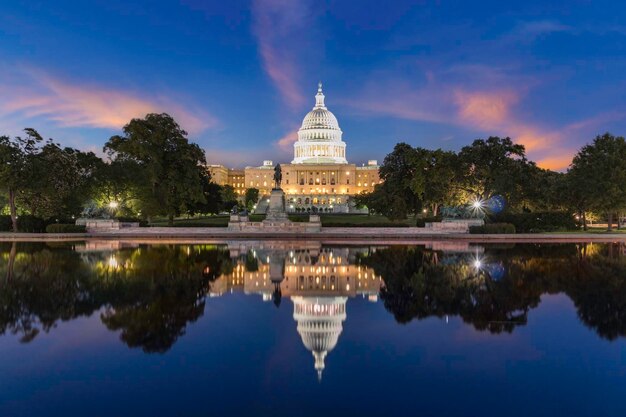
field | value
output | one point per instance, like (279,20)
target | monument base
(276,212)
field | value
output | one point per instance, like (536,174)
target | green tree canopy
(598,175)
(229,197)
(170,178)
(412,178)
(16,166)
(44,179)
(251,197)
(495,166)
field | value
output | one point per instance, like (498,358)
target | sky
(240,75)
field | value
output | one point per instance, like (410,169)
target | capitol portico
(319,174)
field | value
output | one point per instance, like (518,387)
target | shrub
(493,229)
(539,222)
(65,228)
(373,224)
(31,224)
(142,223)
(5,224)
(421,221)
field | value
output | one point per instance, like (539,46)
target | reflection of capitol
(319,324)
(319,280)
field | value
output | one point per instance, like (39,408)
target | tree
(413,177)
(439,186)
(495,166)
(212,193)
(229,197)
(172,169)
(251,197)
(16,166)
(63,194)
(116,188)
(599,172)
(403,184)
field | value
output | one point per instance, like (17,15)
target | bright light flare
(113,205)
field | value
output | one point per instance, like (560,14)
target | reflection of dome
(319,324)
(319,138)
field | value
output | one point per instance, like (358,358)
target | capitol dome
(320,322)
(319,138)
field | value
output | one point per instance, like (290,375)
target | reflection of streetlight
(477,264)
(477,204)
(113,205)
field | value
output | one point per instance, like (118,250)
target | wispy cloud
(489,111)
(40,95)
(276,24)
(285,143)
(531,30)
(484,109)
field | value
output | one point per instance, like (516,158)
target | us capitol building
(319,174)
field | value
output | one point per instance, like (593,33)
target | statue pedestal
(276,211)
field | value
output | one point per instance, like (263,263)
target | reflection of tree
(598,289)
(44,287)
(158,290)
(420,284)
(149,293)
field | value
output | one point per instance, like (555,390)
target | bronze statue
(278,177)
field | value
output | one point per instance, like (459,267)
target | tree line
(152,170)
(417,180)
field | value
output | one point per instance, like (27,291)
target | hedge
(65,228)
(142,223)
(381,224)
(539,222)
(5,224)
(31,224)
(493,229)
(421,221)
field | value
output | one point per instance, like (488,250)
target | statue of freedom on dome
(278,176)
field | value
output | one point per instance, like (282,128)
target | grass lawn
(355,220)
(208,221)
(328,220)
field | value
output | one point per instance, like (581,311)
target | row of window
(315,200)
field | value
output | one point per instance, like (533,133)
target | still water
(299,329)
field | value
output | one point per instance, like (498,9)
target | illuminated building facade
(319,174)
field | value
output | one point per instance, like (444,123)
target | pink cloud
(275,23)
(72,105)
(484,109)
(556,162)
(285,143)
(491,110)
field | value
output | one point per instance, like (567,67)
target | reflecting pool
(287,328)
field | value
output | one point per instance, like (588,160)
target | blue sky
(240,75)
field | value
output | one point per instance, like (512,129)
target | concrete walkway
(335,234)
